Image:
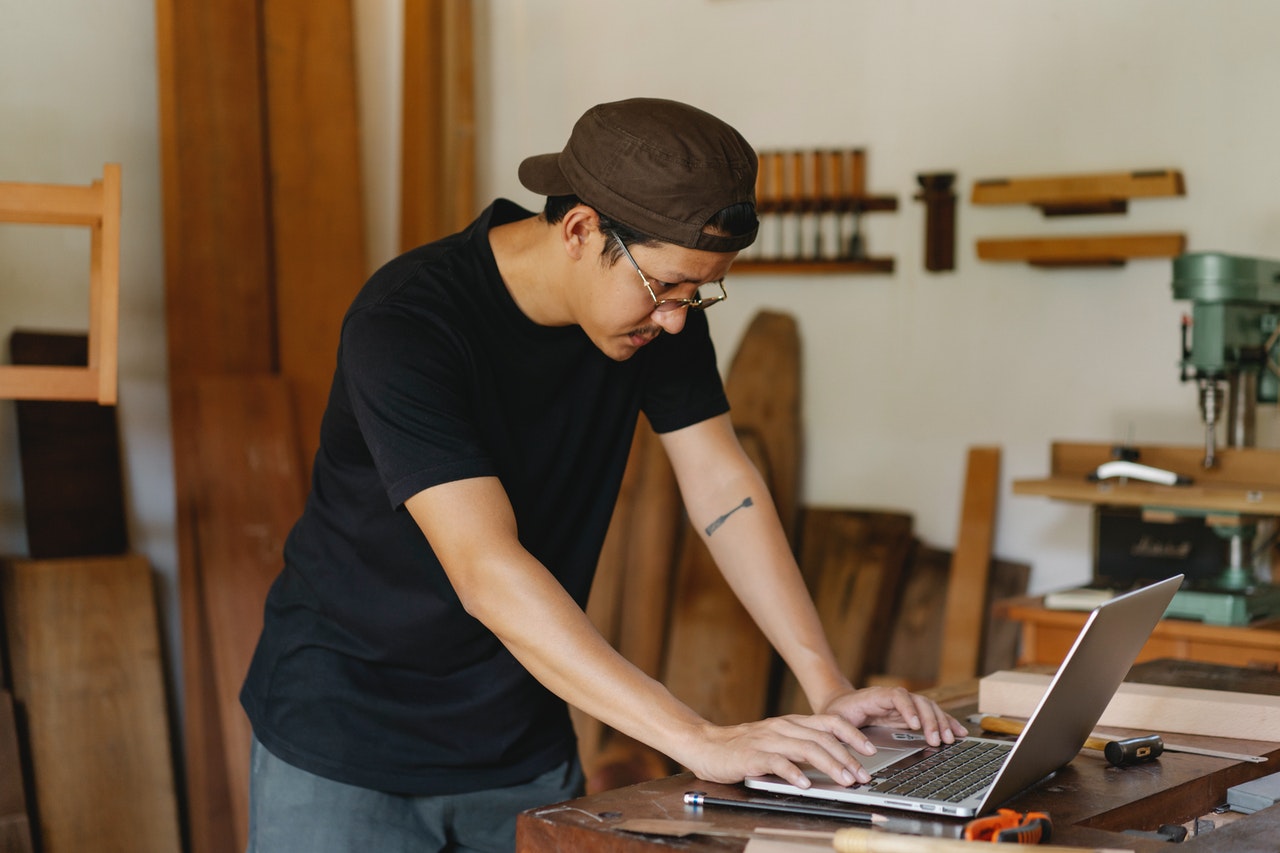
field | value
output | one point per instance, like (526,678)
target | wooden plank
(763,386)
(1067,189)
(855,561)
(1147,707)
(15,823)
(727,679)
(316,201)
(1095,249)
(630,602)
(72,480)
(251,491)
(219,309)
(437,174)
(1008,580)
(915,637)
(86,667)
(964,619)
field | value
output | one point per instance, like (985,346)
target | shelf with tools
(1243,481)
(1076,195)
(811,205)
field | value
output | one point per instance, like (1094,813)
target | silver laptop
(975,775)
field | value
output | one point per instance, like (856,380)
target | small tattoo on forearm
(715,525)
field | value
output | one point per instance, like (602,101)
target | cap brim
(541,174)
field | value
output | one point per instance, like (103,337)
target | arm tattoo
(715,525)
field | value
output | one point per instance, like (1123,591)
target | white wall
(903,372)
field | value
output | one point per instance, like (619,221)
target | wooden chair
(98,207)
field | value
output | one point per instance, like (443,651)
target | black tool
(1134,750)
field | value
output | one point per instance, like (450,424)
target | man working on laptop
(408,691)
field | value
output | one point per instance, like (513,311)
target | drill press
(1230,350)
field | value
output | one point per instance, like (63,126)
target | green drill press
(1230,350)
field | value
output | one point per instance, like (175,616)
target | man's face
(617,311)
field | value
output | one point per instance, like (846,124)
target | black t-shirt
(368,670)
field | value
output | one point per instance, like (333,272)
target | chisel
(1130,751)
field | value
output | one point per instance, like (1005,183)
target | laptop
(975,775)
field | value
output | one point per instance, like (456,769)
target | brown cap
(660,167)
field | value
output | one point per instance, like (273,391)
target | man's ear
(577,228)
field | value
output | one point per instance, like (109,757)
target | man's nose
(671,321)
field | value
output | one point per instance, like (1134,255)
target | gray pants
(293,811)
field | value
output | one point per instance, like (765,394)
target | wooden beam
(1079,189)
(964,620)
(1092,250)
(250,492)
(1147,707)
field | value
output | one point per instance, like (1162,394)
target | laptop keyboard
(952,774)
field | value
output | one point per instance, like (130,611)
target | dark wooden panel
(72,486)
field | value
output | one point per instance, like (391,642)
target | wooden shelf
(1092,250)
(1047,636)
(783,266)
(1244,480)
(1064,195)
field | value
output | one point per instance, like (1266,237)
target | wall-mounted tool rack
(1068,195)
(1077,251)
(1076,195)
(811,205)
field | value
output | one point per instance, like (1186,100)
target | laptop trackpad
(891,745)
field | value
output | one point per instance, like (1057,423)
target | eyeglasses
(699,301)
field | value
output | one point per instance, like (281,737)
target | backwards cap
(660,167)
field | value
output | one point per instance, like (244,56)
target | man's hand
(894,706)
(778,746)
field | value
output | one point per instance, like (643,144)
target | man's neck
(534,268)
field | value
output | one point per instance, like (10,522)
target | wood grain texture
(964,620)
(86,669)
(1083,250)
(316,204)
(1065,189)
(251,491)
(630,601)
(437,173)
(1147,707)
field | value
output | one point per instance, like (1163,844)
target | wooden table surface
(1092,804)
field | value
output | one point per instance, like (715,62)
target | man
(408,691)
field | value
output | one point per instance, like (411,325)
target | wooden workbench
(1092,804)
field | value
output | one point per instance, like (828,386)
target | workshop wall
(902,372)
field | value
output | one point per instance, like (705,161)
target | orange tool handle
(1009,825)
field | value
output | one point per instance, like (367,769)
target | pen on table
(910,826)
